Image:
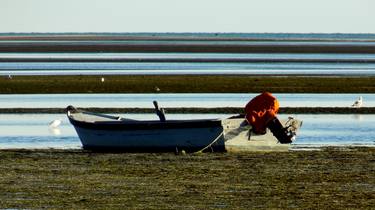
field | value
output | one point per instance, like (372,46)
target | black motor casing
(282,134)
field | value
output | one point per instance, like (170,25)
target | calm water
(32,131)
(187,63)
(175,68)
(176,100)
(171,63)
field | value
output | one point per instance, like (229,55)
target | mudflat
(334,178)
(185,84)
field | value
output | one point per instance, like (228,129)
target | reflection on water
(175,68)
(337,130)
(191,63)
(357,117)
(55,131)
(33,131)
(176,100)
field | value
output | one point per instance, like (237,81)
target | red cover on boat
(260,111)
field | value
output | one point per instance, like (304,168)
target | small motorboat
(106,132)
(114,133)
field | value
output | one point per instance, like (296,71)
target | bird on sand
(358,103)
(55,123)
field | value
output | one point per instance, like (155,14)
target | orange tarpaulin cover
(261,110)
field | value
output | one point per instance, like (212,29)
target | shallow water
(171,63)
(176,100)
(175,68)
(32,130)
(192,63)
(212,56)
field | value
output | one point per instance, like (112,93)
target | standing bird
(358,103)
(102,79)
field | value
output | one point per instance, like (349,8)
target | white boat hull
(237,137)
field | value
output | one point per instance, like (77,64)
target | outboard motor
(282,134)
(261,114)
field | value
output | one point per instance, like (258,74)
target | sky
(219,16)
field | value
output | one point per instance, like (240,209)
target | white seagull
(358,103)
(55,123)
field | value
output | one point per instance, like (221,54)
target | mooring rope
(212,142)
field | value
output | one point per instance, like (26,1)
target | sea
(343,63)
(318,130)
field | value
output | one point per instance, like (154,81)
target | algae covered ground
(184,84)
(57,179)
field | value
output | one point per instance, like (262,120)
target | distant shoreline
(188,36)
(188,42)
(136,46)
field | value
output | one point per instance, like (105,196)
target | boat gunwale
(145,125)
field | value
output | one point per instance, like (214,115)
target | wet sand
(334,178)
(185,84)
(188,84)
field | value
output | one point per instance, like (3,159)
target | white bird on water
(55,123)
(358,103)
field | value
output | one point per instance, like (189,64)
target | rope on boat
(210,144)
